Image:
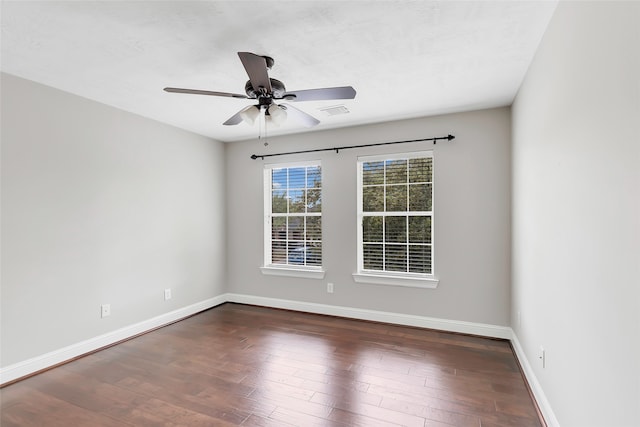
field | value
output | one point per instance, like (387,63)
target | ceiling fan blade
(299,115)
(204,92)
(342,92)
(256,67)
(235,119)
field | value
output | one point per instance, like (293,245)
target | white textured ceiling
(404,58)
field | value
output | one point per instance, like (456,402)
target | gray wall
(472,218)
(100,206)
(576,213)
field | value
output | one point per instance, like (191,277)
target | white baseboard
(377,316)
(540,397)
(38,363)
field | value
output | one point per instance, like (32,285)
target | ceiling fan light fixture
(277,114)
(250,114)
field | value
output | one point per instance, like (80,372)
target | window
(395,219)
(293,218)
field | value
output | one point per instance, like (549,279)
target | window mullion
(288,196)
(304,220)
(384,218)
(406,219)
(406,234)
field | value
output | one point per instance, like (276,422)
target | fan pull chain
(266,136)
(260,120)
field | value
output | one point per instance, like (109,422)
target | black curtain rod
(346,147)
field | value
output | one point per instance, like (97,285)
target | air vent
(335,110)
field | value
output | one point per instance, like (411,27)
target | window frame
(290,270)
(394,278)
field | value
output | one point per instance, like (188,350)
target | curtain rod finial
(450,137)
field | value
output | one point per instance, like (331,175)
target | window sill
(393,280)
(288,271)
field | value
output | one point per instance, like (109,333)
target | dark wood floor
(253,366)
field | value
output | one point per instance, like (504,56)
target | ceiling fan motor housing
(277,90)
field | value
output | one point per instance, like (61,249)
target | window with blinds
(395,214)
(293,210)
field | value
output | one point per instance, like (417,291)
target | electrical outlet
(330,288)
(542,357)
(105,310)
(167,294)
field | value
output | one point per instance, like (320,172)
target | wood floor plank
(432,414)
(258,421)
(241,365)
(358,420)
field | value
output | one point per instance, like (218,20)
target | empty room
(320,213)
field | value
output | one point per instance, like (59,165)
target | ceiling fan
(267,90)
